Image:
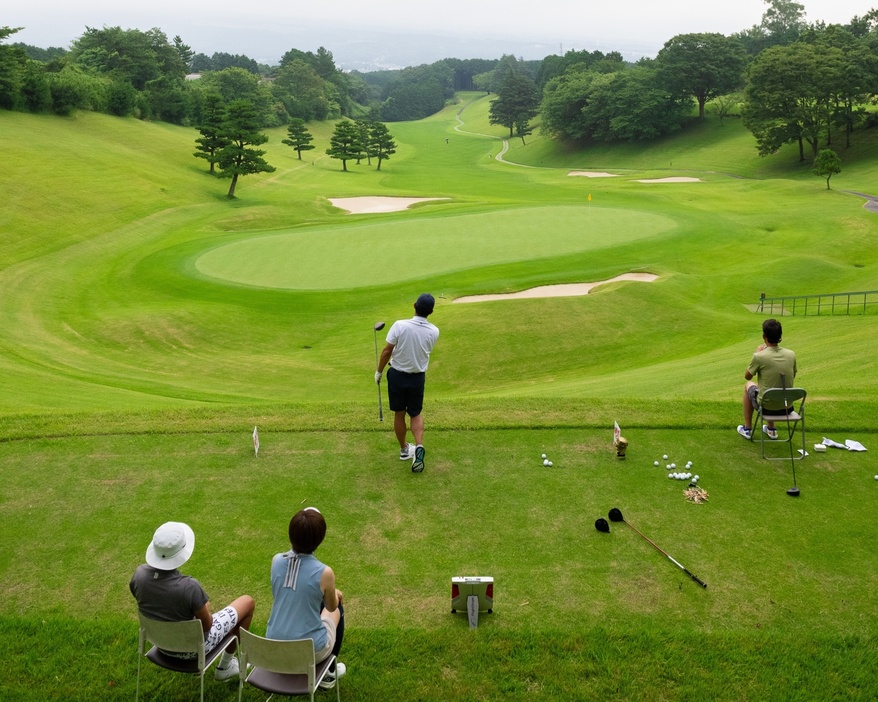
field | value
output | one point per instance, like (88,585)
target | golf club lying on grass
(616,516)
(378,327)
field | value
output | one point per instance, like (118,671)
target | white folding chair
(282,667)
(177,637)
(778,405)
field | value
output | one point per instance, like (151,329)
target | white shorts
(324,652)
(223,622)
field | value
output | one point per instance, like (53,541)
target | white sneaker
(408,453)
(328,681)
(230,671)
(769,432)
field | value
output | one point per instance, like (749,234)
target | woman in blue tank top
(306,603)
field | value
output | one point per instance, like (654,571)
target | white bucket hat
(172,545)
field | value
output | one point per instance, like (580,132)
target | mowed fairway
(149,324)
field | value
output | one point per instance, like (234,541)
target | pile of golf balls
(682,475)
(546,461)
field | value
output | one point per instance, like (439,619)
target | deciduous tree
(827,164)
(701,66)
(517,102)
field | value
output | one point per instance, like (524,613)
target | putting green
(363,255)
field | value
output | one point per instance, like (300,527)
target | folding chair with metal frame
(282,667)
(178,637)
(778,405)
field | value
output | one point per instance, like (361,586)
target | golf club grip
(695,578)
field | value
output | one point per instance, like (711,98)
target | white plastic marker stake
(617,432)
(255,441)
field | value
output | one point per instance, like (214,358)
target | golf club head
(615,515)
(793,492)
(379,326)
(602,525)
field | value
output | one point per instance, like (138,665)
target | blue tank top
(295,612)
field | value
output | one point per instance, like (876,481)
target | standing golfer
(767,365)
(409,343)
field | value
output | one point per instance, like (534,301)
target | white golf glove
(378,377)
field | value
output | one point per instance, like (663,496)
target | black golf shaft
(783,384)
(380,408)
(619,518)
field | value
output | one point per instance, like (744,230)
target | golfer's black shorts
(754,400)
(405,391)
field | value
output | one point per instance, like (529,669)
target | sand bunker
(564,290)
(675,179)
(593,174)
(373,205)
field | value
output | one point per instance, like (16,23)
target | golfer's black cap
(424,304)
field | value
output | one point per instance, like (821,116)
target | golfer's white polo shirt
(412,340)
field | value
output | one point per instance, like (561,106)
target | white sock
(225,659)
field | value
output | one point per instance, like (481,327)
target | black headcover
(601,525)
(615,515)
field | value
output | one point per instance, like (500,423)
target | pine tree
(345,143)
(241,131)
(298,136)
(381,144)
(211,139)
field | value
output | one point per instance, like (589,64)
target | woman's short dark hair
(307,530)
(773,331)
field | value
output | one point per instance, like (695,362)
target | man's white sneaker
(328,682)
(407,453)
(230,671)
(745,432)
(769,432)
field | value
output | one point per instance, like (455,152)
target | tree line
(789,80)
(229,133)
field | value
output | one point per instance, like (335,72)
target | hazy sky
(560,23)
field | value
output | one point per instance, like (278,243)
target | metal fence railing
(848,303)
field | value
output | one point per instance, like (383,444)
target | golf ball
(696,477)
(546,462)
(673,465)
(543,456)
(668,466)
(551,464)
(665,457)
(656,463)
(670,475)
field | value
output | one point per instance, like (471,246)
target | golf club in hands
(616,516)
(378,327)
